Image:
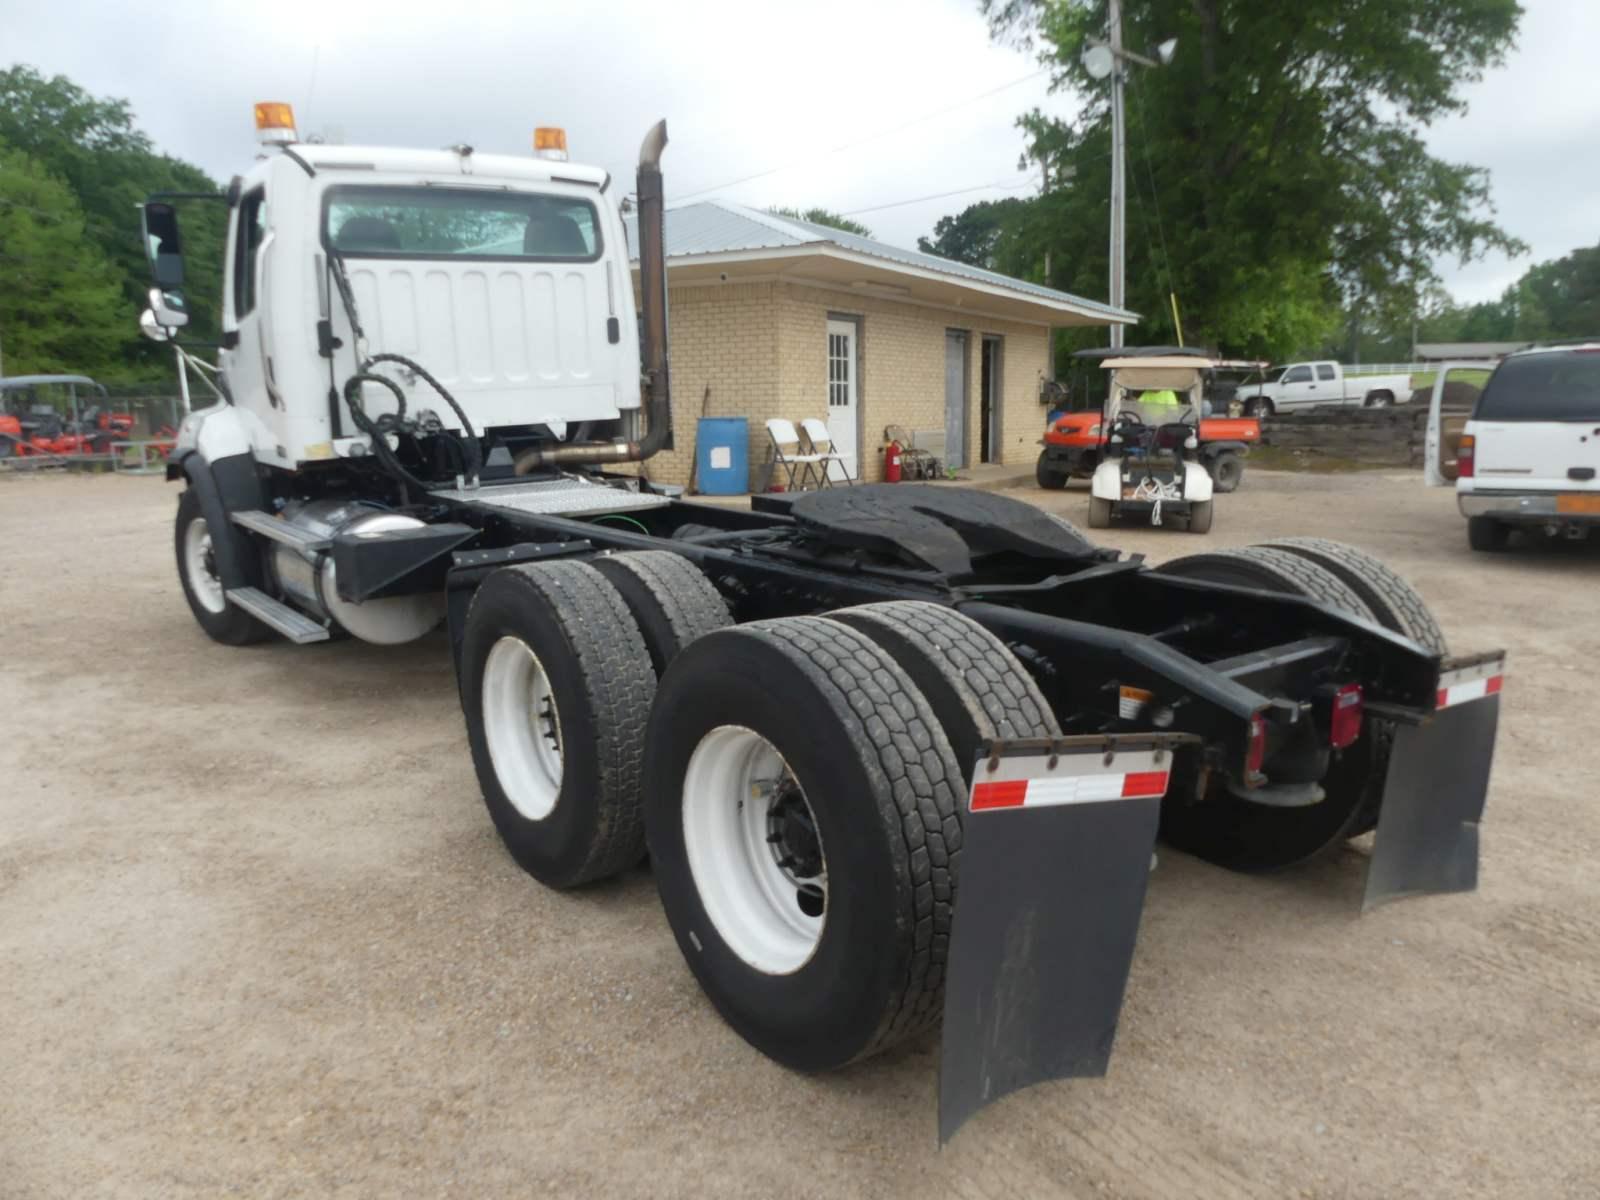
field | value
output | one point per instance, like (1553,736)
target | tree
(973,235)
(1277,175)
(60,311)
(91,144)
(821,216)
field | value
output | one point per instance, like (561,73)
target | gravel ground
(257,937)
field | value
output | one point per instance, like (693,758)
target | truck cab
(507,276)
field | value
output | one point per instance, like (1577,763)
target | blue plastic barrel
(722,452)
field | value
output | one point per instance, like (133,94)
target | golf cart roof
(13,382)
(1182,362)
(1095,353)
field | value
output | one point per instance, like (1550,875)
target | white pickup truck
(1307,384)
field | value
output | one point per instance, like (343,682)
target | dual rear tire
(1242,835)
(800,783)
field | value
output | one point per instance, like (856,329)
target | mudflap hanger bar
(1436,785)
(1055,857)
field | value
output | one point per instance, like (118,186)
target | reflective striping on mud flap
(1054,863)
(1470,683)
(1131,777)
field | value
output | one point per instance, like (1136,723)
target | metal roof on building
(1440,351)
(717,227)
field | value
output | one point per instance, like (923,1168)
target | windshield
(1562,386)
(394,222)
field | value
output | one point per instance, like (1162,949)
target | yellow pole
(1177,324)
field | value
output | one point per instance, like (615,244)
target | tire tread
(619,686)
(891,725)
(688,602)
(1393,601)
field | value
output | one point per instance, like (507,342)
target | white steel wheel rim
(729,788)
(200,565)
(522,726)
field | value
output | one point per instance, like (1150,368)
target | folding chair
(820,442)
(786,453)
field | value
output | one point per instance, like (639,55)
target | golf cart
(1151,468)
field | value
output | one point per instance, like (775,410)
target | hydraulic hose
(378,429)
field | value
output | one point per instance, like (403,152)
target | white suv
(1528,452)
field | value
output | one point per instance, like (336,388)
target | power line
(871,137)
(980,187)
(1155,198)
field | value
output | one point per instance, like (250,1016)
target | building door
(989,412)
(842,397)
(955,398)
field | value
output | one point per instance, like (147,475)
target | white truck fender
(220,431)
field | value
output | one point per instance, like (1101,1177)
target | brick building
(784,318)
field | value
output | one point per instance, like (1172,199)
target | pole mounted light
(1103,60)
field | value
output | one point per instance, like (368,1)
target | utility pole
(1044,189)
(1119,156)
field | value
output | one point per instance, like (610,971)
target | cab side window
(1325,371)
(252,229)
(1297,375)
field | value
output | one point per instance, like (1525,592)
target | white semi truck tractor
(874,740)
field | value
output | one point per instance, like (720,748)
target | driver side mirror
(153,329)
(167,310)
(162,246)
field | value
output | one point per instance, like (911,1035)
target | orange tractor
(66,428)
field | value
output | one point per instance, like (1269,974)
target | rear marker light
(1144,783)
(1345,725)
(1258,747)
(1466,456)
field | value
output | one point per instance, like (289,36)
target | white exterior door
(842,397)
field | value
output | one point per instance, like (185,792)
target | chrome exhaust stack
(656,380)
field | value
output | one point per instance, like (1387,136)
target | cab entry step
(294,625)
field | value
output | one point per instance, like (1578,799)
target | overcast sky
(746,87)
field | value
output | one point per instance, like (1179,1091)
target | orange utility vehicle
(1075,442)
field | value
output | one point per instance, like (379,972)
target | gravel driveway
(257,936)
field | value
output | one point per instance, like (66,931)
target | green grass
(1477,377)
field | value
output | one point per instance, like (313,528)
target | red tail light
(1345,725)
(1257,753)
(1466,456)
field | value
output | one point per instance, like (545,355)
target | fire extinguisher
(891,463)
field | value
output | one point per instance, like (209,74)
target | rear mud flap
(1054,862)
(1433,797)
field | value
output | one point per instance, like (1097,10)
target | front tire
(1099,513)
(1259,406)
(804,815)
(556,688)
(1200,516)
(1047,476)
(194,541)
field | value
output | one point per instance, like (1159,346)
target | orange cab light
(274,114)
(550,142)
